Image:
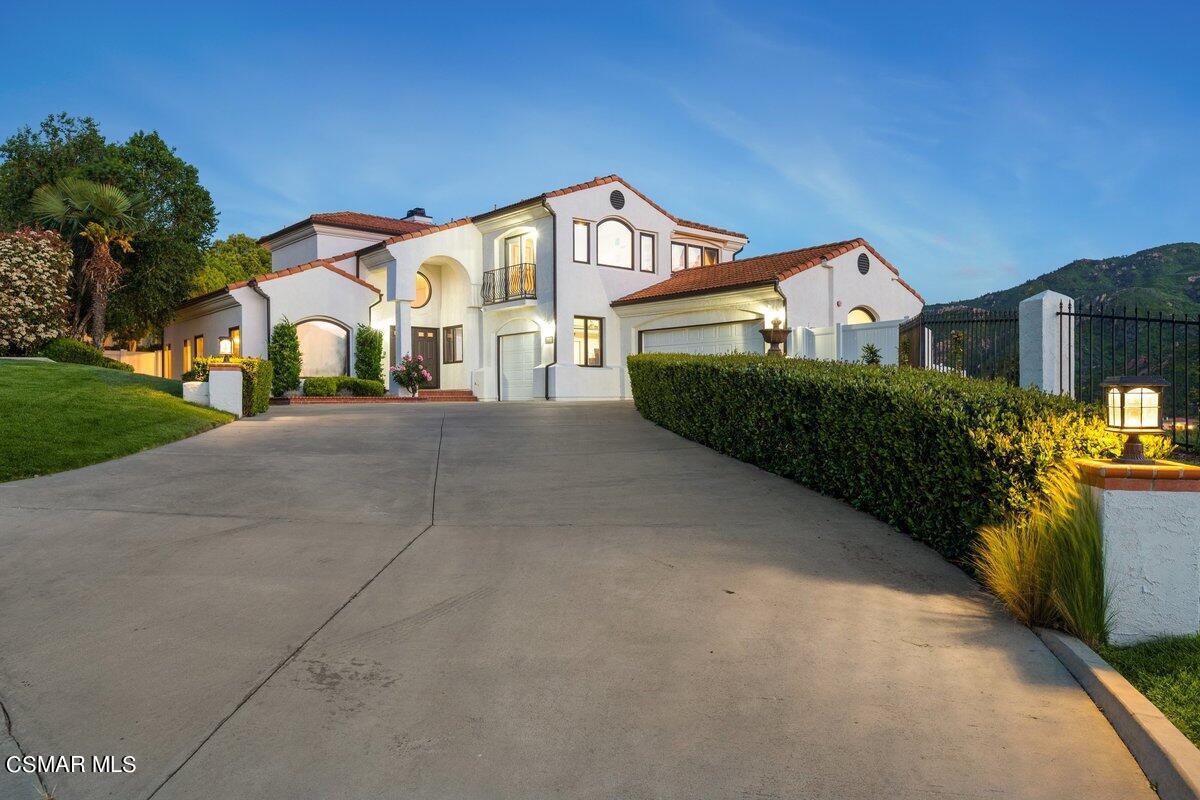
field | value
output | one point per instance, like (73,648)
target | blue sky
(973,146)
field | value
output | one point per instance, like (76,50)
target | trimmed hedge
(73,351)
(368,353)
(935,455)
(257,376)
(284,352)
(330,386)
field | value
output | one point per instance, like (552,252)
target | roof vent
(864,263)
(418,215)
(617,198)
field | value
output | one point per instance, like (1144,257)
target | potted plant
(410,373)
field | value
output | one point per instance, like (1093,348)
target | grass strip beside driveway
(55,417)
(1167,671)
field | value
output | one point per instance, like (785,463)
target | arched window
(859,315)
(324,347)
(423,292)
(614,244)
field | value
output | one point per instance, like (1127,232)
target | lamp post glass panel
(226,345)
(1133,406)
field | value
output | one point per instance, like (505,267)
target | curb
(1169,759)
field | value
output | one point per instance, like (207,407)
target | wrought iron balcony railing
(517,282)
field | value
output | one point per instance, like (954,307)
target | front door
(425,344)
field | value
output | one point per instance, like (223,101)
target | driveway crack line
(8,731)
(292,656)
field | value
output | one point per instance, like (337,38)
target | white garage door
(518,357)
(729,337)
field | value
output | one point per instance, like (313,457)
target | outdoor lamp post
(775,336)
(1133,406)
(226,345)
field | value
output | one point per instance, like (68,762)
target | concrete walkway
(514,600)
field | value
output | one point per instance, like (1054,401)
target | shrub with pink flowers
(410,373)
(35,267)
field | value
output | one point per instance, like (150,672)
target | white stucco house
(542,298)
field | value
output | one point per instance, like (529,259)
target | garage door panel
(743,337)
(518,358)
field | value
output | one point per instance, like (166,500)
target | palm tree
(105,217)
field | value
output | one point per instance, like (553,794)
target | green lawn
(62,416)
(1167,671)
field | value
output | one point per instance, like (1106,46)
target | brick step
(427,396)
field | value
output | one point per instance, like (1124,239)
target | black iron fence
(974,344)
(515,282)
(1110,342)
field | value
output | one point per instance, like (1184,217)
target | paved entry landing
(509,600)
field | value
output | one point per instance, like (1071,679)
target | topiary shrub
(73,351)
(320,386)
(284,354)
(368,353)
(934,454)
(35,268)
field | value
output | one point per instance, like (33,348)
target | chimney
(418,215)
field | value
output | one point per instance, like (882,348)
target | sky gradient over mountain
(975,147)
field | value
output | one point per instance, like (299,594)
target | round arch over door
(324,347)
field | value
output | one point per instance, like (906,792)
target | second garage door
(518,357)
(728,337)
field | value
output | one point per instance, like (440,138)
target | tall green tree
(176,223)
(103,216)
(235,258)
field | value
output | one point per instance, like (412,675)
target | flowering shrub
(34,269)
(411,373)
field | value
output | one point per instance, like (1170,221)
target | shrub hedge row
(73,351)
(935,455)
(257,376)
(330,386)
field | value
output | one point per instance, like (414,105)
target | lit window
(452,344)
(614,244)
(519,249)
(709,256)
(678,256)
(235,338)
(860,315)
(187,355)
(199,347)
(583,232)
(168,365)
(424,292)
(647,246)
(589,341)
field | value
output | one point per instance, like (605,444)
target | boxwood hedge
(257,375)
(935,455)
(330,386)
(73,351)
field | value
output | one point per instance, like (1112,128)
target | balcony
(517,282)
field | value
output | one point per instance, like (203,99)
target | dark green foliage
(235,258)
(73,351)
(284,354)
(871,354)
(368,353)
(320,386)
(934,454)
(257,377)
(175,227)
(1155,279)
(331,386)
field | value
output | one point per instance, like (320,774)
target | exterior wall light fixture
(1133,406)
(226,347)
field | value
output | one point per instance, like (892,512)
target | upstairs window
(690,256)
(583,244)
(646,245)
(614,244)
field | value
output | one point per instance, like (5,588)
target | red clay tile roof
(758,271)
(327,263)
(355,221)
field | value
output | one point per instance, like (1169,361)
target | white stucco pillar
(1148,515)
(225,387)
(403,340)
(1047,343)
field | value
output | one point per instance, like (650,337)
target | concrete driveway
(508,600)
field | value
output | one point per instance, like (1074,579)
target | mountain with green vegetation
(1162,279)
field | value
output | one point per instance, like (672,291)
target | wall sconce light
(226,347)
(549,340)
(1133,406)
